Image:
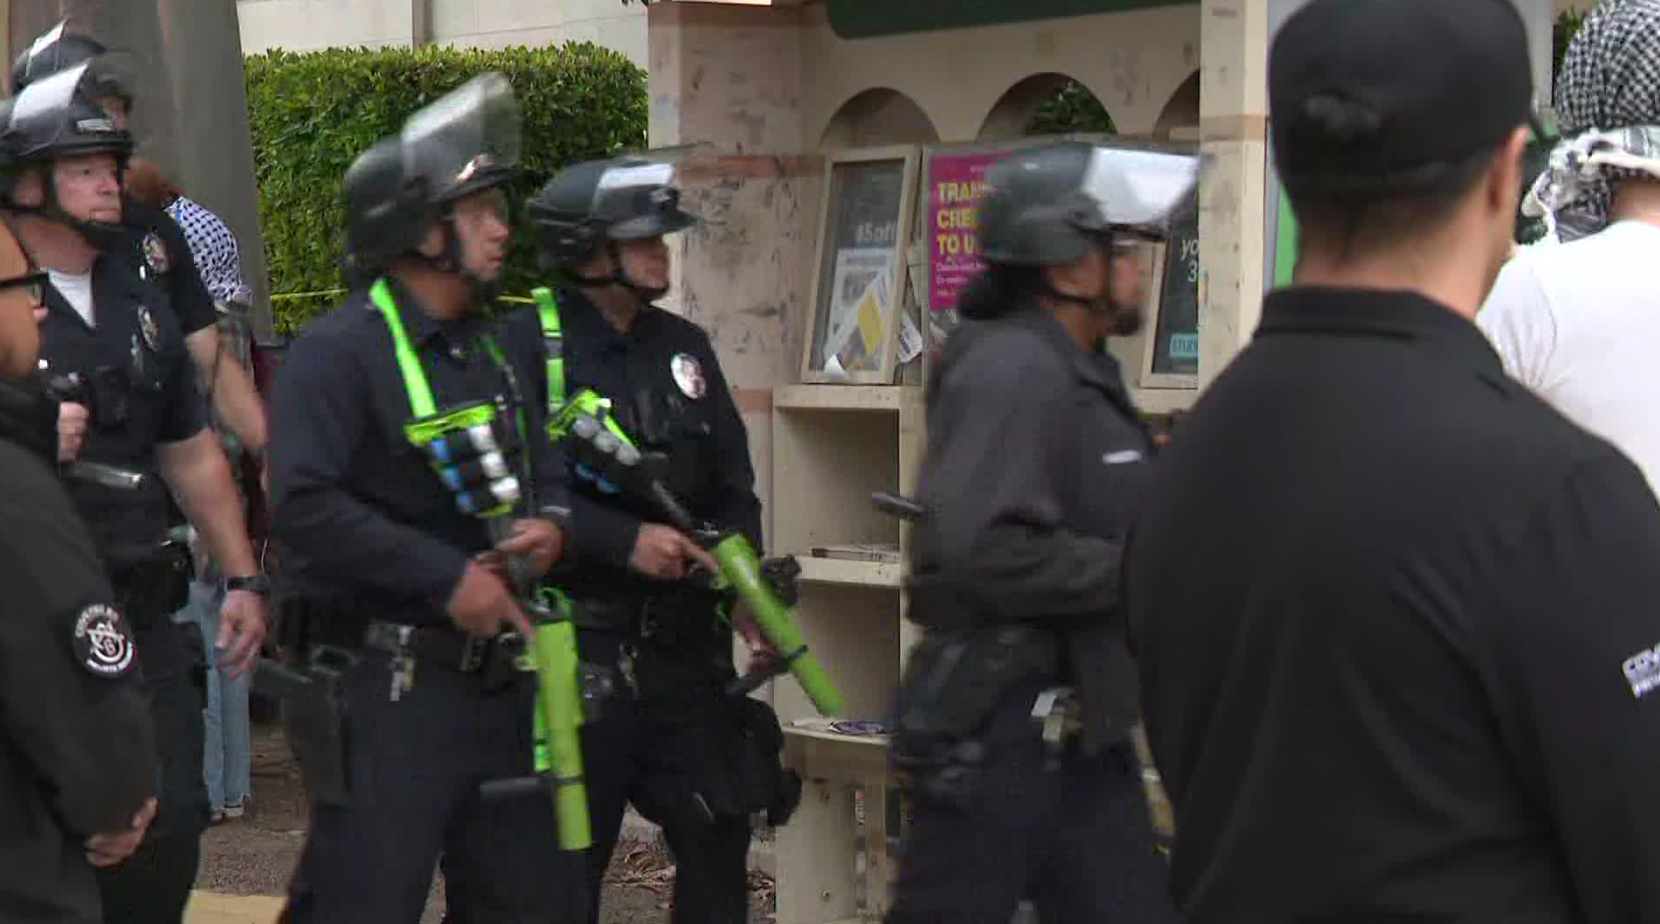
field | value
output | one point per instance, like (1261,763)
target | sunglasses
(34,283)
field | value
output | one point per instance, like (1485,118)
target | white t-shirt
(1579,324)
(76,289)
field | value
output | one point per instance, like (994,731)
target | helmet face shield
(640,200)
(1141,192)
(466,140)
(53,117)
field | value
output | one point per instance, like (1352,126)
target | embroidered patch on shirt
(1642,671)
(103,643)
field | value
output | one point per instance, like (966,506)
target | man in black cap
(1417,680)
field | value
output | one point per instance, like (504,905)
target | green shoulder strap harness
(586,401)
(552,653)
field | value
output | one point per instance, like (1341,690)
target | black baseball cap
(1384,96)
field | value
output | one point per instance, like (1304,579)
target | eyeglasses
(34,282)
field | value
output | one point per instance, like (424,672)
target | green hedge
(313,113)
(1567,25)
(1071,109)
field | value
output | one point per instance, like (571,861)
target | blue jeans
(226,755)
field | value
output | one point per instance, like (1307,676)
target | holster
(310,682)
(952,685)
(154,587)
(735,767)
(196,657)
(317,719)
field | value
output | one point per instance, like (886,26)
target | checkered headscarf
(1607,102)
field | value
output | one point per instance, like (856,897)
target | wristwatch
(251,583)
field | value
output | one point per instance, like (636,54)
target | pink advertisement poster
(956,183)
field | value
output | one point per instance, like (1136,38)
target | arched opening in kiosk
(877,117)
(1180,119)
(1046,104)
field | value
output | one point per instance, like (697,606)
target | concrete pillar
(215,156)
(728,78)
(1540,16)
(420,23)
(1233,106)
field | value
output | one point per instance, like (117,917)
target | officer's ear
(1085,278)
(597,265)
(26,187)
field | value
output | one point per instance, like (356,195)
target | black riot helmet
(465,142)
(1047,206)
(599,203)
(55,118)
(57,50)
(1050,206)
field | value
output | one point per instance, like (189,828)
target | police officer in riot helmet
(403,416)
(154,240)
(668,737)
(109,335)
(57,49)
(1014,715)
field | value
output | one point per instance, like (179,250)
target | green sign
(853,19)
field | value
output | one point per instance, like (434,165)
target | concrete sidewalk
(212,908)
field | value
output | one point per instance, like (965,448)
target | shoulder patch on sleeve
(103,642)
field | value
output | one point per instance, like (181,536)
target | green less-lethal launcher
(552,655)
(740,566)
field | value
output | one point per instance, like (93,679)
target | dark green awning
(852,19)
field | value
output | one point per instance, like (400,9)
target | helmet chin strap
(449,261)
(619,278)
(1126,317)
(103,236)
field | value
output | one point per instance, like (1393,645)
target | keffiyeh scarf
(1608,105)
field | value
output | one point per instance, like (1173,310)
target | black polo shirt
(669,394)
(1396,622)
(358,512)
(145,394)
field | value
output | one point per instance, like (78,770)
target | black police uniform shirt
(359,516)
(159,247)
(145,393)
(1397,624)
(1034,464)
(669,395)
(77,747)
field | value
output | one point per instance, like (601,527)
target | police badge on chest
(156,259)
(148,327)
(688,375)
